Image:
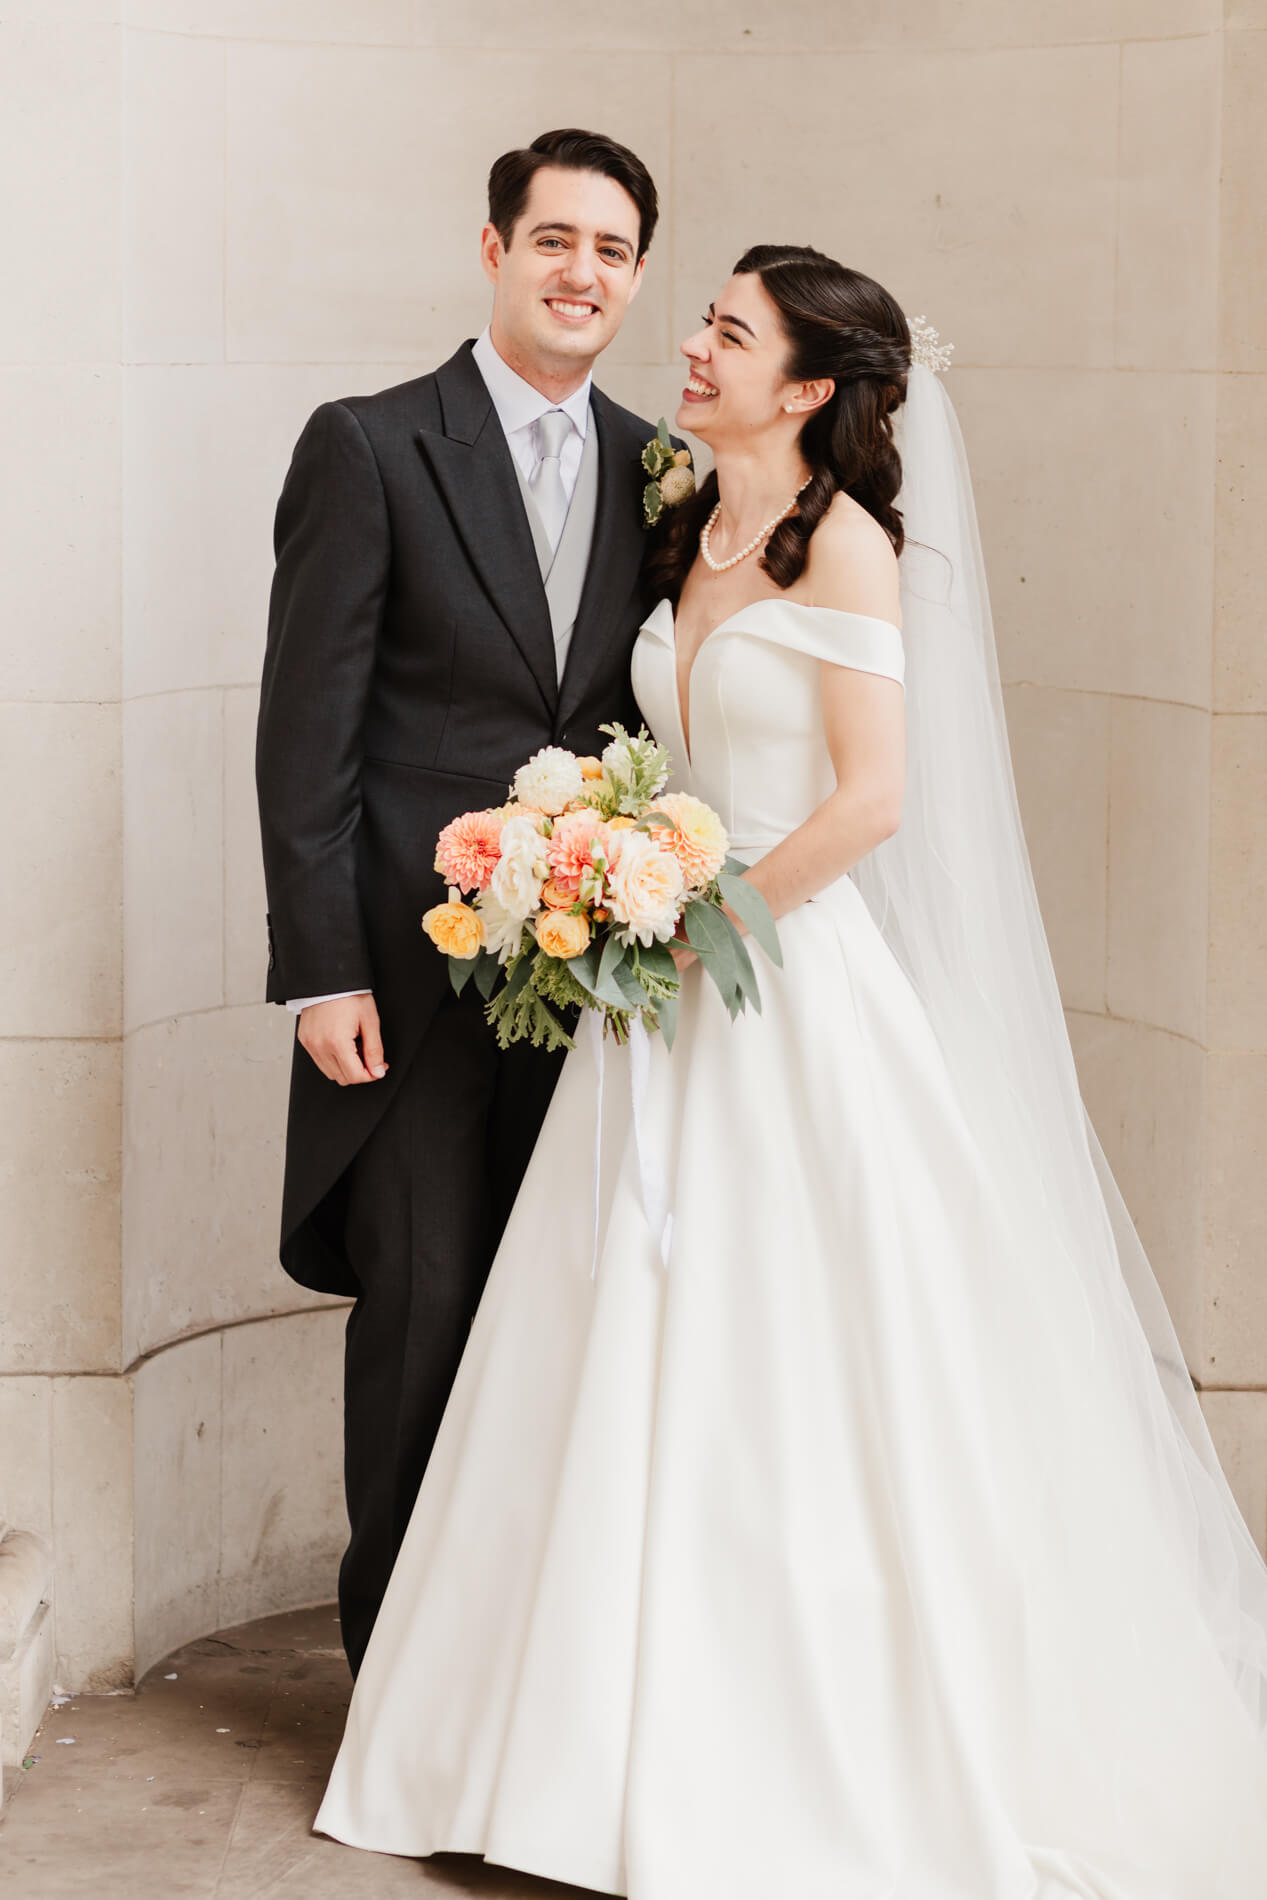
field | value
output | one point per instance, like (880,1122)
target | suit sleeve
(333,548)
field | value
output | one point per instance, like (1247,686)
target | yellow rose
(590,767)
(622,822)
(561,935)
(456,929)
(557,896)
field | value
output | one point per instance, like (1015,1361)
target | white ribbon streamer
(652,1182)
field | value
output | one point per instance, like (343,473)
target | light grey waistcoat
(563,569)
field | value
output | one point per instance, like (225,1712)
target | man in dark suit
(458,584)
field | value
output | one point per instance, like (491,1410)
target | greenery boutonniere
(672,478)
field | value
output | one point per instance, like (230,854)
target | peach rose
(455,928)
(560,934)
(621,822)
(698,838)
(646,889)
(590,767)
(557,896)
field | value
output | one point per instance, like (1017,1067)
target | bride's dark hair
(841,324)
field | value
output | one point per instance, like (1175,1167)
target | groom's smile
(571,311)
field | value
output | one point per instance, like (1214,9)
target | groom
(458,584)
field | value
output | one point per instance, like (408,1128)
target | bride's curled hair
(839,324)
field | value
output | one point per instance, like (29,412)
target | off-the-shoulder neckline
(801,606)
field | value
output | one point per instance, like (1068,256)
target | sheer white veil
(953,894)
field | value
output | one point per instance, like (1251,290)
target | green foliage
(747,902)
(555,982)
(652,504)
(635,770)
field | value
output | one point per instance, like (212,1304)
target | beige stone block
(817,25)
(59,1206)
(813,26)
(1242,252)
(1244,13)
(1238,882)
(177,1485)
(1240,546)
(245,900)
(59,533)
(204,1134)
(60,968)
(653,26)
(1238,1426)
(59,225)
(373,22)
(1159,864)
(282,1501)
(68,12)
(92,1492)
(1168,264)
(893,166)
(26,1469)
(173,198)
(1145,1091)
(365,247)
(1060,754)
(1096,505)
(173,826)
(207,451)
(1236,1221)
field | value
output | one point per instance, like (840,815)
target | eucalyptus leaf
(666,1016)
(709,933)
(487,971)
(657,960)
(608,988)
(585,969)
(747,902)
(461,970)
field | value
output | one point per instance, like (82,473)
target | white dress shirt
(518,407)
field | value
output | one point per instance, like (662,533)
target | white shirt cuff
(305,1002)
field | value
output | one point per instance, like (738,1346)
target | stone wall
(220,214)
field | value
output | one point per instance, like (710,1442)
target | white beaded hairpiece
(927,347)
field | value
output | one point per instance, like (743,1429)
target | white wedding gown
(818,1563)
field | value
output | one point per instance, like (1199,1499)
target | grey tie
(551,431)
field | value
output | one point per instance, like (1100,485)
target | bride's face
(737,387)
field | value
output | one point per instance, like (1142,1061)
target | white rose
(646,886)
(551,780)
(521,870)
(503,933)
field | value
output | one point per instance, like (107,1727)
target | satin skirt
(818,1561)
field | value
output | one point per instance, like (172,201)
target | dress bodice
(758,753)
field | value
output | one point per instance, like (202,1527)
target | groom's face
(569,273)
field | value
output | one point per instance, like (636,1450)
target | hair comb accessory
(927,347)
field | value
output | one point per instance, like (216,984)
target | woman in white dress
(854,1533)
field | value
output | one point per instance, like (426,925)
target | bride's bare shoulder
(851,564)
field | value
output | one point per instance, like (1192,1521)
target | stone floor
(205,1782)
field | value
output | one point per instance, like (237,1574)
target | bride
(854,1531)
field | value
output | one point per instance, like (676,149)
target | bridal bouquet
(576,886)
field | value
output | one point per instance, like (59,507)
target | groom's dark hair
(571,150)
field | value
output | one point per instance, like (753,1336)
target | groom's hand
(344,1040)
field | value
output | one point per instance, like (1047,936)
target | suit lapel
(475,471)
(616,554)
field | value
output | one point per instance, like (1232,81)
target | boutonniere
(672,477)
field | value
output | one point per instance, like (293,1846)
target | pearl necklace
(719,567)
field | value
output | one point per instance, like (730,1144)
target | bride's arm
(852,567)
